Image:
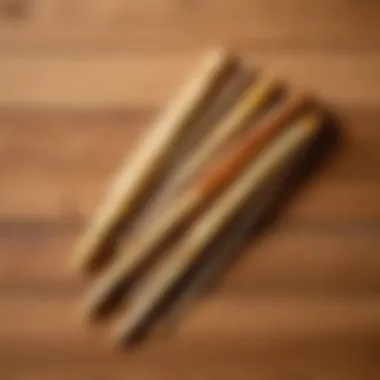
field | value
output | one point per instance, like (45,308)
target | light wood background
(79,82)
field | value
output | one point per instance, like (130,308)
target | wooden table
(79,82)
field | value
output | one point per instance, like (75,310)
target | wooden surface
(79,82)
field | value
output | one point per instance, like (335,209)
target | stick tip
(313,121)
(220,55)
(87,309)
(122,334)
(78,261)
(131,327)
(99,299)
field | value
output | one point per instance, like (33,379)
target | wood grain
(317,340)
(34,261)
(79,82)
(162,26)
(57,156)
(76,81)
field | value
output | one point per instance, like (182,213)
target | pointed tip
(220,56)
(81,260)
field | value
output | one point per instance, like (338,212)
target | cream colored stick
(143,245)
(136,176)
(158,285)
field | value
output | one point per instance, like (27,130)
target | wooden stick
(251,102)
(172,183)
(236,85)
(259,173)
(219,132)
(136,176)
(187,205)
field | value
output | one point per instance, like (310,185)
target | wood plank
(307,261)
(358,367)
(256,319)
(145,80)
(336,201)
(61,141)
(48,195)
(334,78)
(84,81)
(327,337)
(80,148)
(166,25)
(93,143)
(79,82)
(352,361)
(283,260)
(56,164)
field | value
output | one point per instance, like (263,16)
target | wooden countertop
(80,80)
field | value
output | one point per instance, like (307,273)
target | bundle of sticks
(222,142)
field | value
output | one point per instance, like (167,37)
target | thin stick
(187,205)
(246,106)
(136,176)
(163,280)
(251,102)
(236,85)
(220,106)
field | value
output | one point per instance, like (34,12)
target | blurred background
(79,82)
